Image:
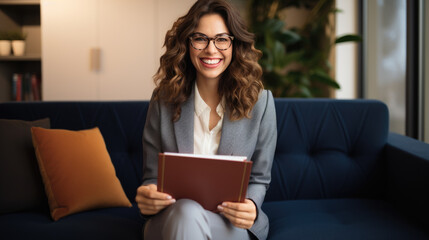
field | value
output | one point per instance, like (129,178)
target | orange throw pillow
(77,171)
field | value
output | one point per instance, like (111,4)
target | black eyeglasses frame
(211,39)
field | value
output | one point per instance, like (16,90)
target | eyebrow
(219,34)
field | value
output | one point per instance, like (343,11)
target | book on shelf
(17,87)
(35,87)
(26,87)
(206,179)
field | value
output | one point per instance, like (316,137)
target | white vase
(18,47)
(5,47)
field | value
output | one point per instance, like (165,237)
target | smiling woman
(209,100)
(210,62)
(176,74)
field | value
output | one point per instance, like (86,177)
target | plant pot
(18,47)
(5,47)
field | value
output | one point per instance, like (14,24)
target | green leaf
(305,91)
(324,78)
(274,25)
(288,37)
(305,81)
(269,40)
(348,38)
(296,56)
(279,54)
(337,10)
(294,78)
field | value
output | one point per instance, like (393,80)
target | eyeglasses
(200,41)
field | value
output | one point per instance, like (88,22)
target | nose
(211,48)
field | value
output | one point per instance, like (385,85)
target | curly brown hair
(240,83)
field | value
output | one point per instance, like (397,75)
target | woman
(209,99)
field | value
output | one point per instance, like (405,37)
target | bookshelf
(128,34)
(24,16)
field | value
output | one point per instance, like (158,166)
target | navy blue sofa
(337,174)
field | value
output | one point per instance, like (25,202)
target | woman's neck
(208,90)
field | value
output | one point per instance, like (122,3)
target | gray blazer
(255,138)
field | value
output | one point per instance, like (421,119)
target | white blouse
(205,141)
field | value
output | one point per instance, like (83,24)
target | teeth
(211,61)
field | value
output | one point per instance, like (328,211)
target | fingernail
(224,204)
(173,200)
(219,207)
(169,197)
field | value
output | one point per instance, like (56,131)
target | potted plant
(5,44)
(295,60)
(18,43)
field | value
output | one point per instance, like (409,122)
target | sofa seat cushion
(107,223)
(338,219)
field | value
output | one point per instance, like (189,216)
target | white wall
(67,34)
(346,61)
(129,34)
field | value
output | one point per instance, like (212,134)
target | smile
(210,62)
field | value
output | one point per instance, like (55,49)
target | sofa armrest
(408,175)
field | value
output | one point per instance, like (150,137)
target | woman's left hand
(241,215)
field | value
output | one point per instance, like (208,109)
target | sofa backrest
(325,148)
(121,124)
(328,149)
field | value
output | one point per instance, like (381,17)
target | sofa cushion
(77,171)
(338,219)
(21,186)
(99,224)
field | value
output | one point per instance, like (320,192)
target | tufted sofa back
(325,148)
(328,149)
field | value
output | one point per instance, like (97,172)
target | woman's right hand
(150,201)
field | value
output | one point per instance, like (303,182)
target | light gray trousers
(186,219)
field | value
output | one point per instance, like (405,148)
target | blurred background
(93,50)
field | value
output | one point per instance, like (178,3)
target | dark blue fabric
(108,223)
(331,219)
(408,175)
(328,149)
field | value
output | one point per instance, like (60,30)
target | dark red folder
(209,180)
